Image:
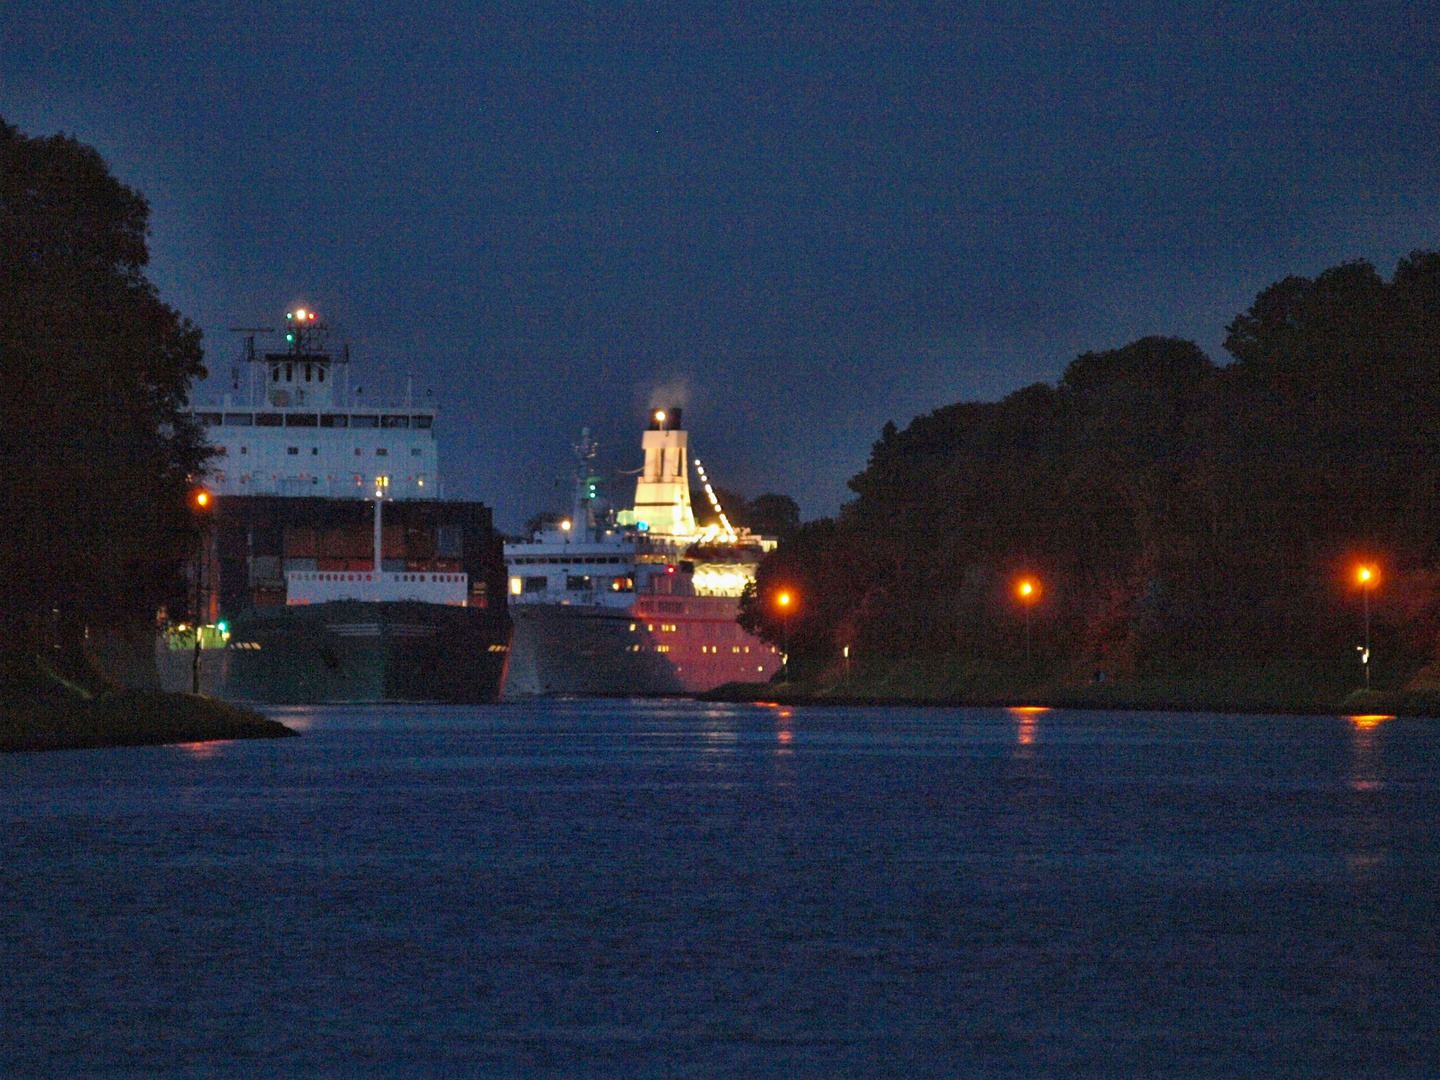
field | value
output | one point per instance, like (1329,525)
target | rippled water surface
(675,889)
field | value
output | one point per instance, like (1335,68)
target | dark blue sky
(806,218)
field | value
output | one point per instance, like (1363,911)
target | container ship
(333,569)
(643,604)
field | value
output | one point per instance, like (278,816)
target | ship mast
(582,517)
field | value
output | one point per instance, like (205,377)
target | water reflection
(1026,717)
(202,751)
(1364,752)
(783,734)
(1365,836)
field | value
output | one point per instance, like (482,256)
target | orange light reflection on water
(204,750)
(1025,721)
(1368,721)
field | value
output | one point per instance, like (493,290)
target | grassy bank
(130,718)
(1273,691)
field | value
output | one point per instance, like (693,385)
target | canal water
(633,889)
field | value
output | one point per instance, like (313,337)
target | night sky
(799,221)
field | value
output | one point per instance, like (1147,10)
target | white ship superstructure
(291,425)
(645,605)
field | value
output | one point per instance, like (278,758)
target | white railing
(324,586)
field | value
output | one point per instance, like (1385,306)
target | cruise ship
(643,603)
(333,569)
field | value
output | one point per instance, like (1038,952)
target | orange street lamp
(1027,590)
(784,601)
(1367,577)
(202,501)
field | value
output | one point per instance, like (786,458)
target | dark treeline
(766,515)
(94,525)
(1181,518)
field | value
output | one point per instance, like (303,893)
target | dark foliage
(766,515)
(1182,518)
(94,526)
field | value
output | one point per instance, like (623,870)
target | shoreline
(130,718)
(1237,696)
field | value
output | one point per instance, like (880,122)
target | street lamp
(1366,577)
(783,602)
(202,501)
(1027,590)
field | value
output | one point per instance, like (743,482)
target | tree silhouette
(94,526)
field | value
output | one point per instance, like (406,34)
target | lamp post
(1028,591)
(202,501)
(783,602)
(1366,576)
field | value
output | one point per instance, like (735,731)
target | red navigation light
(669,569)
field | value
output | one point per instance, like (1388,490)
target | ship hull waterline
(595,651)
(363,651)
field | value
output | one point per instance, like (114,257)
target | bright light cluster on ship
(729,530)
(715,581)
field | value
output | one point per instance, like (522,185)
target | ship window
(358,451)
(415,451)
(308,373)
(577,583)
(289,372)
(334,419)
(380,451)
(269,419)
(423,422)
(301,420)
(221,451)
(314,450)
(275,373)
(209,419)
(244,449)
(365,421)
(395,421)
(320,375)
(239,419)
(536,584)
(293,450)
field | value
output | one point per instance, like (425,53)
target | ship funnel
(662,493)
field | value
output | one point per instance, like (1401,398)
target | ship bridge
(295,427)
